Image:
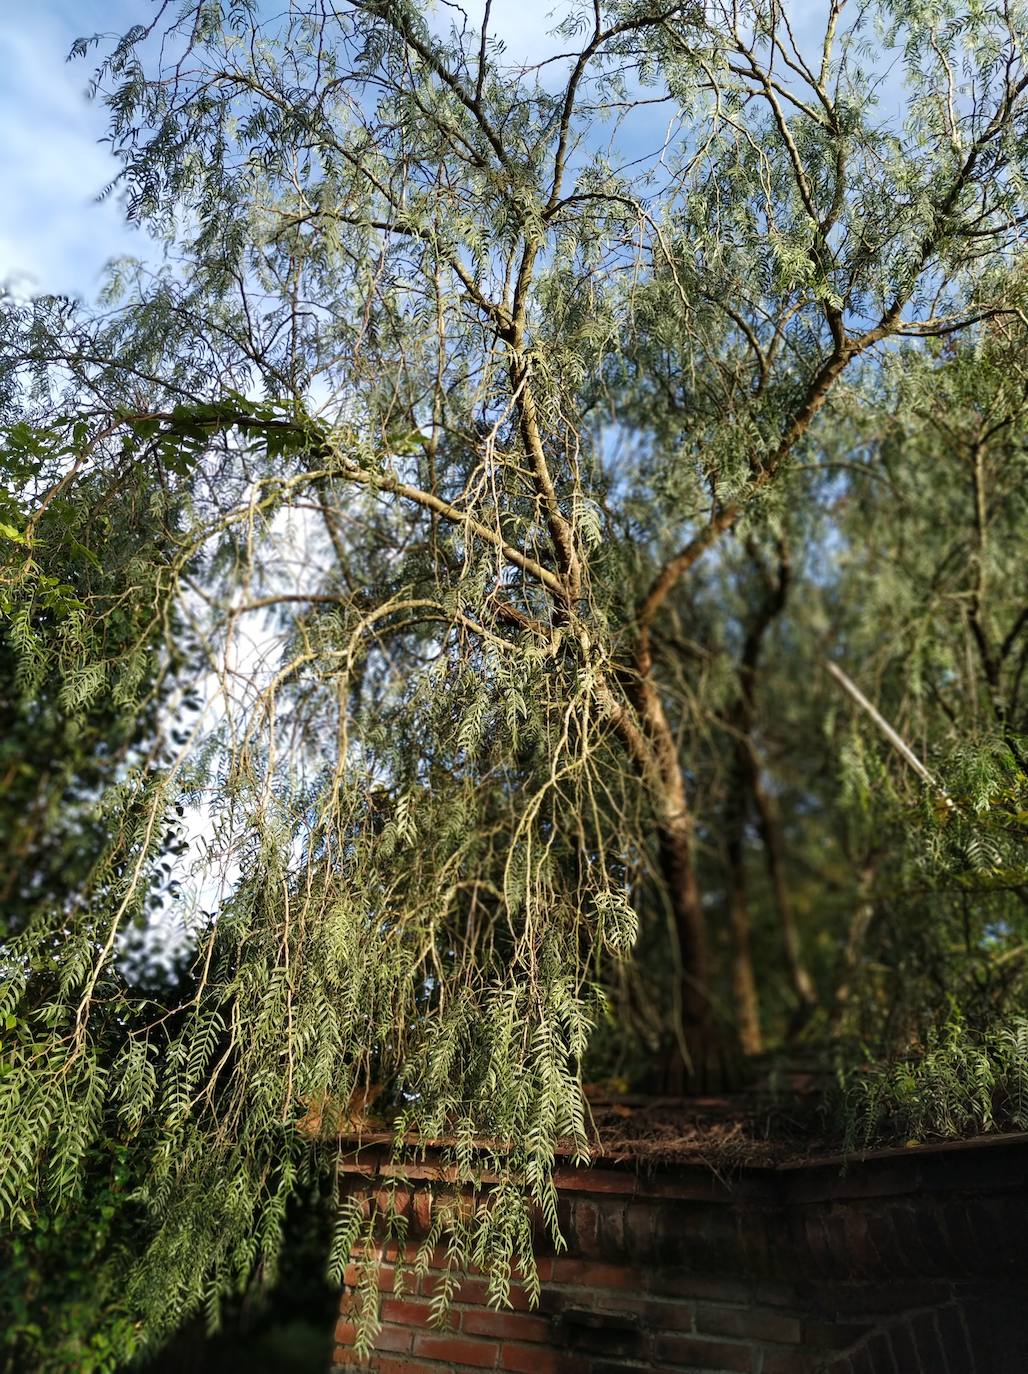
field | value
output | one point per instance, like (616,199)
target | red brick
(832,1335)
(353,1302)
(771,1294)
(364,1203)
(345,1332)
(792,1362)
(473,1292)
(858,1302)
(385,1365)
(350,1302)
(669,1315)
(395,1338)
(926,1338)
(759,1252)
(954,1341)
(386,1277)
(436,1259)
(511,1326)
(612,1229)
(673,1283)
(480,1354)
(700,1185)
(394,1200)
(616,1301)
(880,1355)
(700,1354)
(943,1253)
(588,1275)
(423,1208)
(406,1312)
(862,1257)
(817,1250)
(596,1180)
(554,1299)
(601,1366)
(639,1229)
(966,1238)
(860,1361)
(747,1323)
(428,1285)
(532,1359)
(585,1221)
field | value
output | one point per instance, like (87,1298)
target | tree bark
(702,1065)
(771,837)
(743,782)
(744,982)
(679,873)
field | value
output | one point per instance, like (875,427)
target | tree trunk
(771,836)
(743,781)
(698,1062)
(744,983)
(679,874)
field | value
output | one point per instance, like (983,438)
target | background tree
(945,667)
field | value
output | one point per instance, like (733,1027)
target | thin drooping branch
(393,14)
(428,501)
(561,532)
(342,468)
(895,739)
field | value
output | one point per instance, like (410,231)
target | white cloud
(525,25)
(53,235)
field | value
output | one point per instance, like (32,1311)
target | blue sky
(53,235)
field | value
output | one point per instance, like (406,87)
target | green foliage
(962,1082)
(61,1288)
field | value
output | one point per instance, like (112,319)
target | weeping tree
(939,932)
(464,416)
(863,842)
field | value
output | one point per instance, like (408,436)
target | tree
(60,1281)
(947,672)
(456,423)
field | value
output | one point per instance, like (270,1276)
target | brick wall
(906,1263)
